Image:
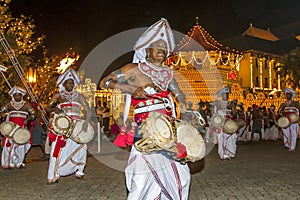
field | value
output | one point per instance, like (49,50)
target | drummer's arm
(280,110)
(86,107)
(31,113)
(3,110)
(118,79)
(179,96)
(52,106)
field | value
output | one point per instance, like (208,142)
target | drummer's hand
(139,93)
(57,110)
(85,126)
(26,122)
(182,107)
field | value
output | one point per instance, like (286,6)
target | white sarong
(154,176)
(71,158)
(13,155)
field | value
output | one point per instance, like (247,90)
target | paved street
(263,170)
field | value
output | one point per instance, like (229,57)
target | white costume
(226,142)
(155,176)
(67,156)
(290,133)
(13,154)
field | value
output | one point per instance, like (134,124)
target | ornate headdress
(68,74)
(290,90)
(16,89)
(159,31)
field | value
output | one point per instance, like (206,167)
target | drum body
(293,118)
(283,122)
(161,133)
(230,126)
(157,133)
(21,136)
(240,123)
(6,128)
(62,124)
(80,136)
(192,140)
(217,121)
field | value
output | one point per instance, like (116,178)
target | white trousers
(226,145)
(290,135)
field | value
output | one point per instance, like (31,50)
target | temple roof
(198,39)
(260,33)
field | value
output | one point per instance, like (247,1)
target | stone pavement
(263,170)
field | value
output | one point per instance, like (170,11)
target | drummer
(227,110)
(19,112)
(147,81)
(286,109)
(67,156)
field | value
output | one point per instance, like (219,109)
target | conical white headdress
(290,90)
(161,30)
(68,74)
(17,89)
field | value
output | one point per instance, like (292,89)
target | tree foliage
(29,50)
(291,68)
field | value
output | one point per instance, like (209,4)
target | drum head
(230,126)
(6,128)
(158,128)
(217,121)
(293,118)
(61,124)
(283,122)
(21,136)
(240,123)
(192,140)
(80,136)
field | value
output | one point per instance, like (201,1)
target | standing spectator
(273,129)
(241,115)
(106,115)
(264,131)
(256,122)
(37,130)
(99,113)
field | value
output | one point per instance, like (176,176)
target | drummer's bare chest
(137,78)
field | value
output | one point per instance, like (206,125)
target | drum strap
(149,108)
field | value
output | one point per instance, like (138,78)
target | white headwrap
(15,90)
(159,31)
(68,74)
(290,90)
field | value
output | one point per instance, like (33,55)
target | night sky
(83,24)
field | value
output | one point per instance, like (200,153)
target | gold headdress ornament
(161,30)
(17,89)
